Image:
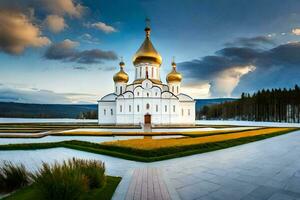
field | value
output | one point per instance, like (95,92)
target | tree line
(276,105)
(92,114)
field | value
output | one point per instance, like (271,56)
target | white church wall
(107,112)
(187,112)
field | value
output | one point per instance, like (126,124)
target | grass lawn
(104,193)
(149,150)
(151,144)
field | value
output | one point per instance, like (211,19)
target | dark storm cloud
(65,51)
(93,56)
(282,55)
(277,65)
(251,42)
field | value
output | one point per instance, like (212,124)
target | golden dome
(121,76)
(147,52)
(174,76)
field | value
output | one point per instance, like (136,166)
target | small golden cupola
(121,76)
(174,76)
(147,52)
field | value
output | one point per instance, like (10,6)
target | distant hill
(203,102)
(26,110)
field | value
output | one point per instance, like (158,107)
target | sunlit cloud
(296,31)
(17,32)
(55,23)
(62,7)
(197,90)
(102,27)
(226,81)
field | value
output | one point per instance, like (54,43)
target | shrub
(94,171)
(13,177)
(70,179)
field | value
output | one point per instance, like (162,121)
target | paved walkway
(263,170)
(147,184)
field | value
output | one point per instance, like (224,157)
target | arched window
(155,93)
(104,111)
(120,108)
(166,108)
(120,89)
(136,72)
(147,106)
(182,112)
(140,72)
(173,88)
(138,108)
(138,94)
(116,89)
(152,72)
(177,89)
(129,108)
(147,94)
(173,108)
(156,108)
(111,112)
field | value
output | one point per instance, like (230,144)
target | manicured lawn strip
(109,133)
(195,126)
(144,155)
(196,133)
(217,132)
(104,193)
(64,125)
(22,130)
(173,152)
(150,144)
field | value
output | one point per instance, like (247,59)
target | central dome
(147,52)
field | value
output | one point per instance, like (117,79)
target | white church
(146,100)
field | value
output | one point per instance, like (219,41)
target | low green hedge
(142,155)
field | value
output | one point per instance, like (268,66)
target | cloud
(57,7)
(17,32)
(102,27)
(239,69)
(62,7)
(296,31)
(197,89)
(55,23)
(88,38)
(61,51)
(252,41)
(83,68)
(66,51)
(10,93)
(226,81)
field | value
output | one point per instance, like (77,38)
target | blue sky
(66,51)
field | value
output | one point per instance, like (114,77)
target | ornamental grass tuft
(13,177)
(69,179)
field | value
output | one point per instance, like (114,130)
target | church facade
(147,100)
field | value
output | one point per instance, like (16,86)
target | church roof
(147,53)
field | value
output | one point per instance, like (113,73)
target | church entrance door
(147,119)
